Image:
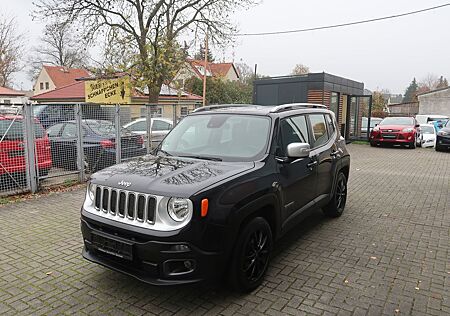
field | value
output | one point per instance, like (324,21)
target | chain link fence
(47,144)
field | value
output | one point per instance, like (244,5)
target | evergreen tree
(411,92)
(200,55)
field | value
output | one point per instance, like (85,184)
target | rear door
(324,148)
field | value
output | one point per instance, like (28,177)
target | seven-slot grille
(130,205)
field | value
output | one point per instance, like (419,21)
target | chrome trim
(160,220)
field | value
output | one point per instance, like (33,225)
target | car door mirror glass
(298,150)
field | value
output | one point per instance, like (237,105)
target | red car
(396,131)
(12,148)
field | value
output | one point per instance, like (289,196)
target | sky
(383,55)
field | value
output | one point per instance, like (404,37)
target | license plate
(113,247)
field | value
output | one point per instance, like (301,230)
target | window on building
(6,101)
(184,111)
(334,103)
(47,86)
(41,85)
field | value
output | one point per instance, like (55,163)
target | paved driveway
(388,254)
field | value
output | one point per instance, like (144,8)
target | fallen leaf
(49,273)
(417,288)
(397,310)
(373,258)
(345,281)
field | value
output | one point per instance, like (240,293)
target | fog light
(188,264)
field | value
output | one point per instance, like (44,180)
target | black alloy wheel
(336,206)
(251,255)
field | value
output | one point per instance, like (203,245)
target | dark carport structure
(345,97)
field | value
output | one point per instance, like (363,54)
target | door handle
(334,153)
(312,164)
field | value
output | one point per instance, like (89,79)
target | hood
(168,176)
(395,127)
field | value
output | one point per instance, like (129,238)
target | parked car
(12,149)
(160,128)
(396,131)
(99,146)
(427,118)
(427,135)
(443,138)
(210,202)
(374,121)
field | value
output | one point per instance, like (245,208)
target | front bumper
(149,259)
(393,138)
(443,141)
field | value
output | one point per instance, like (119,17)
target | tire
(412,145)
(439,148)
(372,144)
(251,256)
(336,206)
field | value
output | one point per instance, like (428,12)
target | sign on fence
(108,91)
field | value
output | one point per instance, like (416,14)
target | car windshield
(228,137)
(13,130)
(397,121)
(427,130)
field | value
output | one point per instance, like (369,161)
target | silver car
(160,128)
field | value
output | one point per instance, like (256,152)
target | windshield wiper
(203,158)
(163,151)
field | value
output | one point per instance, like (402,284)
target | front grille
(389,135)
(124,204)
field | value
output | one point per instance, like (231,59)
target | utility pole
(205,67)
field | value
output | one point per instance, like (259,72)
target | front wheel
(251,255)
(336,206)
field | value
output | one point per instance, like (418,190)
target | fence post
(80,149)
(174,110)
(149,116)
(32,178)
(118,135)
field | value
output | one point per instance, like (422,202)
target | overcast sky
(383,55)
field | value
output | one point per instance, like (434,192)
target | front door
(296,177)
(359,109)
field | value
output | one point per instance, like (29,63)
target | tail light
(107,143)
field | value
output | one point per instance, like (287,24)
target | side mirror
(376,125)
(417,125)
(298,150)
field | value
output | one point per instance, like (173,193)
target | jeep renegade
(213,197)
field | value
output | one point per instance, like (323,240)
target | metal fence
(46,144)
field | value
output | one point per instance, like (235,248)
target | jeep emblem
(124,184)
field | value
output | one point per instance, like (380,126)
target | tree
(11,50)
(300,69)
(152,29)
(220,91)
(378,101)
(428,83)
(200,55)
(59,47)
(411,92)
(443,83)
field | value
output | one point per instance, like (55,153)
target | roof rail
(293,106)
(220,106)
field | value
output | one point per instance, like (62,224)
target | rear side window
(138,126)
(54,130)
(319,128)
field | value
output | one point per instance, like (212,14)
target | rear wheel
(372,144)
(251,255)
(336,206)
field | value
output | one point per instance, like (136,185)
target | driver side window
(292,130)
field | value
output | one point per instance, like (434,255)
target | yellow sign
(108,91)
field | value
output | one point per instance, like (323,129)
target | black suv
(223,185)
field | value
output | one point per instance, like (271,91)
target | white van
(427,118)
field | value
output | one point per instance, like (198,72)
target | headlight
(442,133)
(91,191)
(408,130)
(179,209)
